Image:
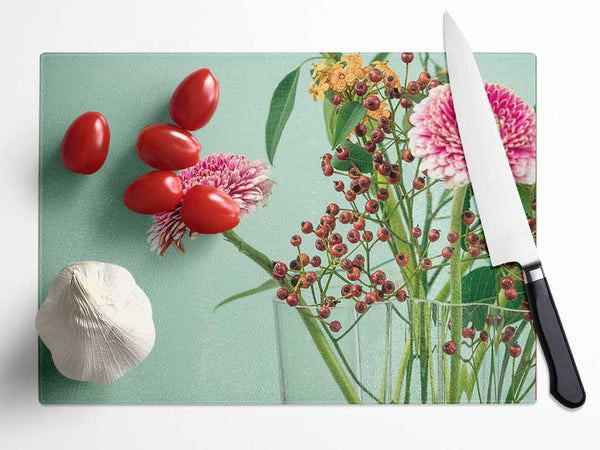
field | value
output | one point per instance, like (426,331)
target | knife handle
(565,383)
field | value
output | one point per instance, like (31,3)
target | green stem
(402,368)
(320,340)
(456,296)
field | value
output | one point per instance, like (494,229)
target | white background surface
(566,39)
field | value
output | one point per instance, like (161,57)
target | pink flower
(434,136)
(247,182)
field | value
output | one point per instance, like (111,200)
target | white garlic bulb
(96,321)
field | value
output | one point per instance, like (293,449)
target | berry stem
(320,340)
(456,295)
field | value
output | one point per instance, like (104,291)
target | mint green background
(200,356)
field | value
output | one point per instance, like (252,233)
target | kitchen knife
(497,198)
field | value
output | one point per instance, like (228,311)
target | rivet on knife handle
(565,383)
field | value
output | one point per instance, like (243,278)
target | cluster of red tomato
(165,147)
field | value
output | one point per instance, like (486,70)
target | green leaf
(350,115)
(269,284)
(482,286)
(358,156)
(441,73)
(329,115)
(381,57)
(527,193)
(416,98)
(282,104)
(331,56)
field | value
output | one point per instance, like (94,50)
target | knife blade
(497,198)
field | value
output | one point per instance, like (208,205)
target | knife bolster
(533,273)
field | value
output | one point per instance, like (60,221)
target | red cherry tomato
(154,192)
(208,210)
(167,147)
(195,100)
(85,144)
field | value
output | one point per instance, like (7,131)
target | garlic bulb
(96,321)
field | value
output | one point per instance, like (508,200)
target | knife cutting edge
(497,198)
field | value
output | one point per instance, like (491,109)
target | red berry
(377,136)
(452,237)
(515,350)
(402,259)
(367,236)
(282,293)
(433,235)
(474,252)
(336,99)
(372,206)
(484,336)
(383,122)
(378,157)
(359,260)
(390,80)
(303,259)
(383,234)
(527,316)
(332,209)
(279,270)
(370,146)
(327,168)
(378,277)
(370,298)
(372,103)
(315,261)
(424,78)
(375,75)
(335,238)
(507,283)
(407,57)
(394,177)
(407,156)
(468,217)
(401,295)
(338,185)
(426,264)
(488,319)
(350,195)
(418,183)
(508,334)
(356,290)
(353,236)
(345,217)
(406,103)
(346,290)
(511,294)
(468,333)
(416,232)
(532,223)
(353,274)
(358,223)
(434,83)
(335,326)
(346,263)
(342,153)
(449,348)
(361,307)
(296,240)
(364,183)
(385,168)
(360,130)
(292,300)
(320,244)
(388,287)
(361,89)
(306,227)
(472,238)
(324,312)
(383,194)
(413,88)
(447,252)
(339,250)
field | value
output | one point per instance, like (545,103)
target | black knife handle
(565,383)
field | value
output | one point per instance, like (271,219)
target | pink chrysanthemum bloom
(434,136)
(247,182)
